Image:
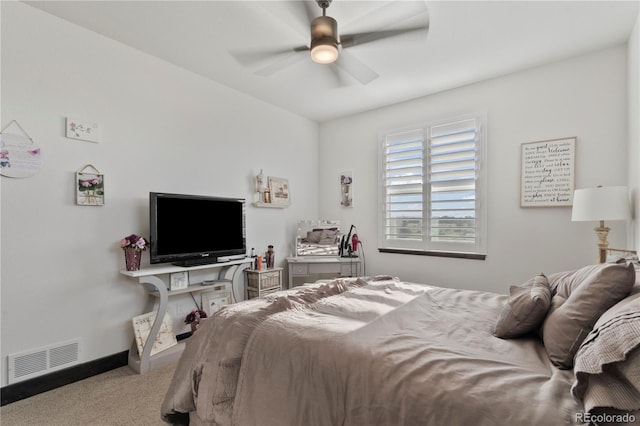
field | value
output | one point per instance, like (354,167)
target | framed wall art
(89,186)
(279,189)
(547,176)
(20,157)
(82,130)
(178,280)
(346,189)
(213,301)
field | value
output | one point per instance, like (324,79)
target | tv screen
(189,230)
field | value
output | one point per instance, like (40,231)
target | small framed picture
(82,130)
(346,189)
(213,301)
(179,280)
(89,187)
(279,188)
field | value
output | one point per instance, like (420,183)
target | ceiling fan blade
(355,68)
(312,10)
(394,13)
(279,65)
(296,14)
(335,71)
(253,57)
(348,40)
(413,14)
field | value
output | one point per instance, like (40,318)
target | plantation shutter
(431,189)
(403,180)
(452,181)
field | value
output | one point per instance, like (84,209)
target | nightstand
(263,282)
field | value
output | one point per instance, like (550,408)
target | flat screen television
(189,230)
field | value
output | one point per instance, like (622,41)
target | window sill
(437,253)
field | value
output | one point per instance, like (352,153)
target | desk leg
(290,276)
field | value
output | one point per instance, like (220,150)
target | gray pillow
(580,298)
(526,308)
(607,365)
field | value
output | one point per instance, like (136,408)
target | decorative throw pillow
(580,298)
(614,342)
(563,283)
(526,308)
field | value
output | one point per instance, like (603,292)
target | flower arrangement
(135,242)
(92,183)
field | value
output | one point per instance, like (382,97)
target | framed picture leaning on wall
(213,301)
(279,188)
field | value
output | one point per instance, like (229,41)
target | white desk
(151,278)
(303,266)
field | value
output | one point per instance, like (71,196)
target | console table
(303,266)
(157,287)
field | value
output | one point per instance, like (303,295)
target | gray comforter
(381,352)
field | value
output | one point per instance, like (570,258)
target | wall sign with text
(547,173)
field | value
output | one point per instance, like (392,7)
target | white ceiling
(467,41)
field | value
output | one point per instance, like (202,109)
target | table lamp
(600,204)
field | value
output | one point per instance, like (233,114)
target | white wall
(584,97)
(634,131)
(162,129)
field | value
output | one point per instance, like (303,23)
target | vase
(132,259)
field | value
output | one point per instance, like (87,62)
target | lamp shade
(601,203)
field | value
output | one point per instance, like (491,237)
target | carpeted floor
(117,397)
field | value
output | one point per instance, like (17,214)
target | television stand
(196,262)
(154,279)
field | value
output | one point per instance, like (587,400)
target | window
(432,189)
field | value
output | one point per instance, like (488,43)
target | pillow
(580,298)
(328,236)
(563,283)
(313,236)
(526,308)
(607,364)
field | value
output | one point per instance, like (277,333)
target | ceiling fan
(327,46)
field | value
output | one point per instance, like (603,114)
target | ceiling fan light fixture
(324,52)
(324,39)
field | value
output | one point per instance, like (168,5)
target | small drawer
(252,293)
(269,279)
(269,291)
(300,270)
(263,279)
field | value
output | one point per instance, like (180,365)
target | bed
(381,351)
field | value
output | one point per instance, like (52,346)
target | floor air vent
(33,363)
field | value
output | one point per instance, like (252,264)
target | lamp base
(602,232)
